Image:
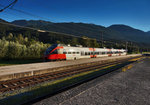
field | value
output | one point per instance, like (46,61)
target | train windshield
(50,49)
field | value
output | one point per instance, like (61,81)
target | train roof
(80,46)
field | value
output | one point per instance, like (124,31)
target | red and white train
(63,52)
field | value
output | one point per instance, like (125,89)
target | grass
(15,62)
(51,87)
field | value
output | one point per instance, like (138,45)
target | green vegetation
(13,47)
(23,43)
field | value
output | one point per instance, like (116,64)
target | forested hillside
(114,32)
(24,43)
(78,29)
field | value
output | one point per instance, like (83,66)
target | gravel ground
(117,88)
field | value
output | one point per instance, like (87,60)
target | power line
(27,13)
(33,28)
(64,34)
(11,4)
(39,29)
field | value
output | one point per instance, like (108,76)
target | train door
(71,53)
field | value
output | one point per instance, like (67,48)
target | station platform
(24,70)
(130,87)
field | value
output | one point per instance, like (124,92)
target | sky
(135,13)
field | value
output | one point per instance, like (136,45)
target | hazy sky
(135,13)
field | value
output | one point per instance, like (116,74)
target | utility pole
(126,45)
(102,38)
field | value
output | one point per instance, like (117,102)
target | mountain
(148,32)
(131,34)
(1,20)
(78,29)
(31,22)
(114,32)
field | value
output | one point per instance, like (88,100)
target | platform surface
(131,87)
(6,70)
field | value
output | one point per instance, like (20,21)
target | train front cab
(54,53)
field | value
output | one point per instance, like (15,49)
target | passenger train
(66,52)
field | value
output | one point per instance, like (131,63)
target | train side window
(109,52)
(74,52)
(103,52)
(77,52)
(64,52)
(86,53)
(69,52)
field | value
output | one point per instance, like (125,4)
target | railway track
(10,85)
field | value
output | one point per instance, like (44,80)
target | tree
(3,48)
(20,39)
(85,41)
(94,43)
(74,41)
(10,37)
(58,42)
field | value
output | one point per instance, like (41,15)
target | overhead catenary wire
(8,15)
(48,31)
(39,29)
(34,28)
(21,11)
(26,13)
(11,4)
(33,15)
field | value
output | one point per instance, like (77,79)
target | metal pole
(102,39)
(126,46)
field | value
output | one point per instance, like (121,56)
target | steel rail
(10,85)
